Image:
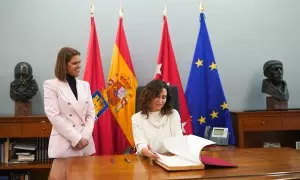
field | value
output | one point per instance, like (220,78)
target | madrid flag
(93,73)
(121,90)
(167,71)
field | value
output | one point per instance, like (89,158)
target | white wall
(244,34)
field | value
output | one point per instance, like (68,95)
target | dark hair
(63,57)
(151,91)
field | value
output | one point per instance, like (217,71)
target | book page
(175,161)
(187,147)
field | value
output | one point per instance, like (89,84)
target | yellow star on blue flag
(213,66)
(224,105)
(199,63)
(201,120)
(214,115)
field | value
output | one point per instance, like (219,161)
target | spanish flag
(121,91)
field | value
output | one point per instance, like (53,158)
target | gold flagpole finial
(92,9)
(121,11)
(201,6)
(165,8)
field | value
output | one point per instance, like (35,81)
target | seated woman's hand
(81,144)
(147,151)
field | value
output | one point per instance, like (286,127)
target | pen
(112,160)
(127,160)
(153,152)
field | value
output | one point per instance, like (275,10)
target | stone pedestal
(274,104)
(23,109)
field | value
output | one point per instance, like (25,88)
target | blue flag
(204,93)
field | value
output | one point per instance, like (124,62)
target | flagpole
(121,11)
(92,10)
(201,6)
(165,8)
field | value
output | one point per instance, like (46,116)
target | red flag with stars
(167,71)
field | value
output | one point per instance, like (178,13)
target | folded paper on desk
(186,150)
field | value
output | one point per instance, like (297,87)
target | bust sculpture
(274,85)
(24,87)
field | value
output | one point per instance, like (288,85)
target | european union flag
(204,93)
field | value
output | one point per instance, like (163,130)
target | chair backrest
(174,97)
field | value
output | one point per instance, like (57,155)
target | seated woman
(155,121)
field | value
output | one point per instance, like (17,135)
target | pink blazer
(71,119)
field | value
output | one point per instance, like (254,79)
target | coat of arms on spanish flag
(121,88)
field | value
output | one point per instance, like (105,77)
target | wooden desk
(252,129)
(255,163)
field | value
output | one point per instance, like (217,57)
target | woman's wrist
(143,151)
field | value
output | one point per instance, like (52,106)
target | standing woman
(69,107)
(156,120)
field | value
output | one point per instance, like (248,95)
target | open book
(186,150)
